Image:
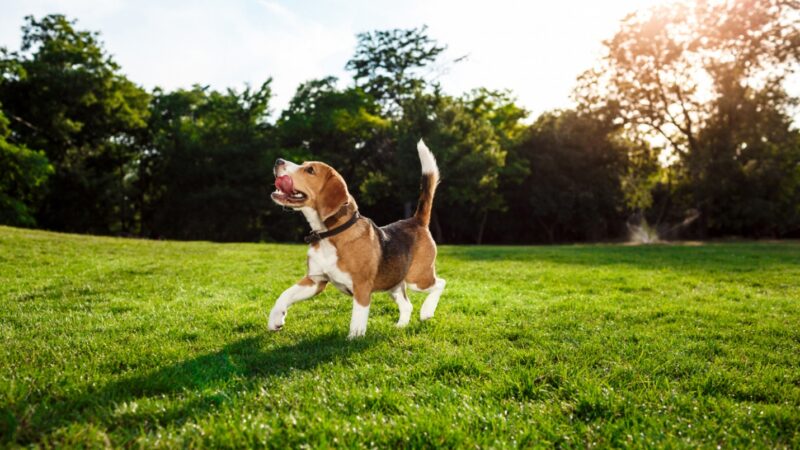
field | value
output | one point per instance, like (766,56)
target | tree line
(684,126)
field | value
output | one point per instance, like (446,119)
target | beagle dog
(351,252)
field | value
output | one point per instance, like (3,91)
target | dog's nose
(279,162)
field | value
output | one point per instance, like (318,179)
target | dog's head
(311,184)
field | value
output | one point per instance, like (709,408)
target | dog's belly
(322,266)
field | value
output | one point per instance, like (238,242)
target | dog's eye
(310,170)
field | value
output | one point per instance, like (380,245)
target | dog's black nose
(279,162)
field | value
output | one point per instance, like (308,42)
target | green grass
(161,344)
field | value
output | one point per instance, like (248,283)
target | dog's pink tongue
(284,184)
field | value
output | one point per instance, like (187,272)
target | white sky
(535,48)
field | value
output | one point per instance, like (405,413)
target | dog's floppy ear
(333,196)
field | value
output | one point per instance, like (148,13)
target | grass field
(113,342)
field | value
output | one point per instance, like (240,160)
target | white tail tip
(426,158)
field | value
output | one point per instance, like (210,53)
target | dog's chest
(322,264)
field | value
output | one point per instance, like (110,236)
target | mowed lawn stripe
(123,342)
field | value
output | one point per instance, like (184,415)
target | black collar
(317,236)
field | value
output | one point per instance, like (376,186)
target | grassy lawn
(113,342)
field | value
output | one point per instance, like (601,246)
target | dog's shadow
(192,387)
(243,359)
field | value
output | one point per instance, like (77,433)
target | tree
(387,64)
(22,173)
(470,156)
(572,188)
(63,94)
(751,156)
(344,128)
(499,109)
(677,71)
(207,168)
(466,134)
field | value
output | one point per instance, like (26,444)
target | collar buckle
(312,237)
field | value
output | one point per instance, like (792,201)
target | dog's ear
(333,196)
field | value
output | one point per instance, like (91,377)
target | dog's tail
(430,178)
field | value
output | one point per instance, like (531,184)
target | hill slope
(124,342)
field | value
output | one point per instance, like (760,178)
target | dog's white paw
(426,313)
(358,322)
(357,332)
(277,318)
(405,313)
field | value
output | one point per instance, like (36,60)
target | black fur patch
(397,242)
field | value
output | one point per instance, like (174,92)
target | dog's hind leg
(304,289)
(434,288)
(421,275)
(403,304)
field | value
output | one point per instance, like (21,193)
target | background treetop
(389,64)
(86,149)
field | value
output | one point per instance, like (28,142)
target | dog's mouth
(285,191)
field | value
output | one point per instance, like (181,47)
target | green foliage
(22,173)
(501,111)
(388,63)
(468,135)
(656,77)
(748,177)
(133,343)
(344,128)
(643,172)
(468,149)
(65,96)
(571,190)
(195,164)
(376,155)
(207,169)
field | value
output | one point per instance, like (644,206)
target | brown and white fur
(364,258)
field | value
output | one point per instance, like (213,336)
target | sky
(536,49)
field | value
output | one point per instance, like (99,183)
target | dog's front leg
(403,304)
(358,321)
(304,289)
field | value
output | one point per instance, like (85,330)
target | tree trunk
(482,227)
(666,204)
(549,230)
(122,204)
